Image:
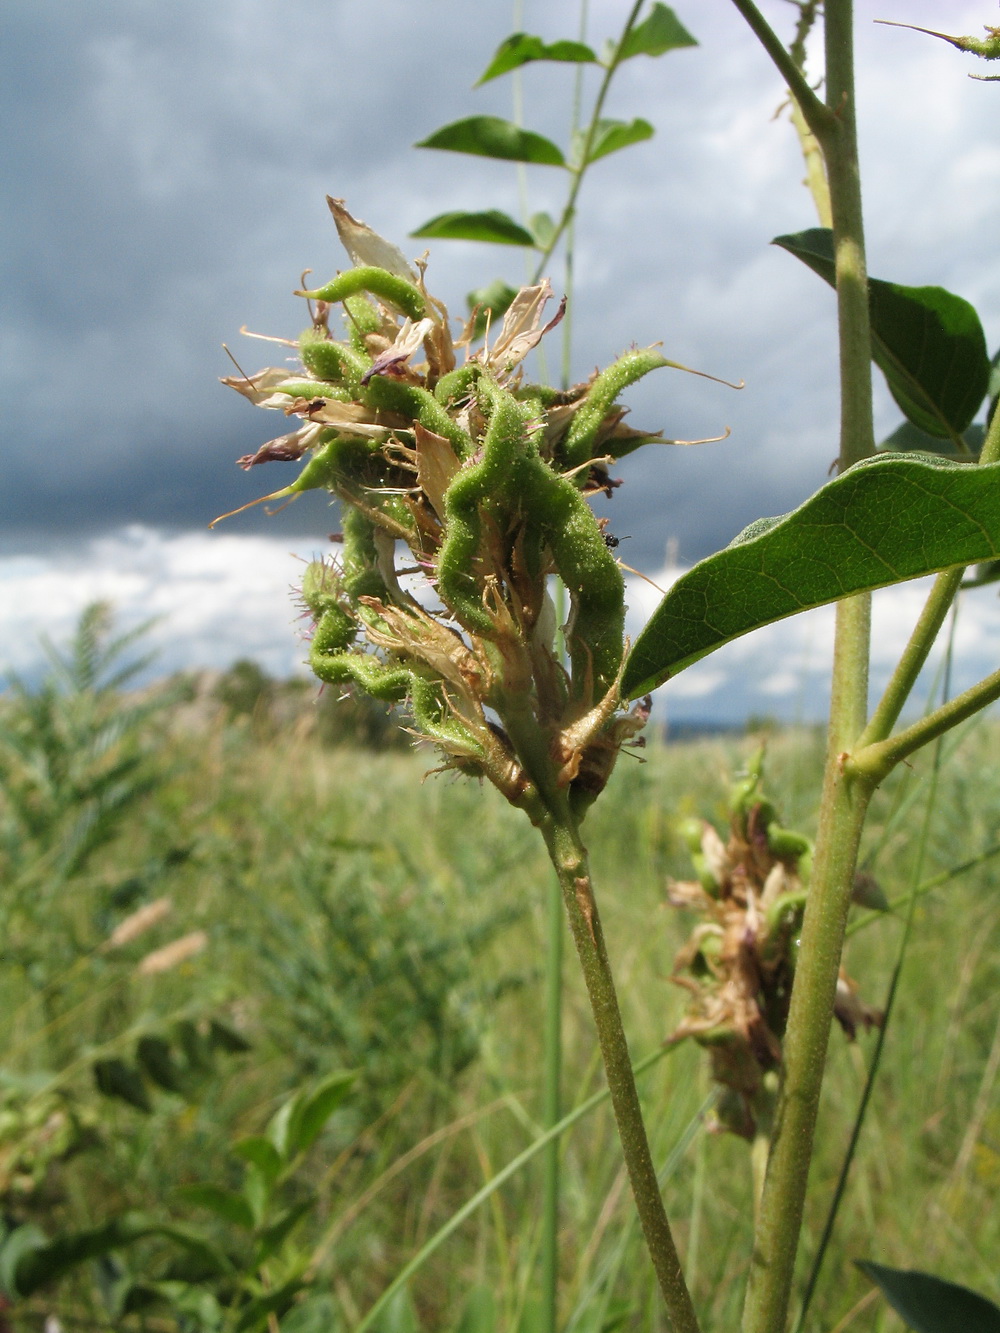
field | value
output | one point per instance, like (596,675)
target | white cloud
(218,597)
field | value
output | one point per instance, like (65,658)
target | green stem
(926,630)
(816,114)
(846,792)
(570,860)
(875,762)
(579,170)
(552,1109)
(876,1060)
(903,679)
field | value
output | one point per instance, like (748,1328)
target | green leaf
(610,136)
(927,342)
(490,136)
(908,438)
(662,31)
(317,1108)
(891,518)
(543,228)
(479,1314)
(223,1203)
(18,1243)
(297,1124)
(224,1038)
(493,301)
(254,1315)
(521,48)
(262,1154)
(399,1316)
(932,1305)
(157,1063)
(42,1264)
(273,1237)
(115,1078)
(491,225)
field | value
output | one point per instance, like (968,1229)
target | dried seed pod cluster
(739,962)
(463,490)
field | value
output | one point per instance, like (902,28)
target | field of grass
(357,916)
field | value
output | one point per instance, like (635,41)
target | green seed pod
(361,318)
(487,482)
(315,389)
(332,361)
(387,287)
(787,844)
(457,384)
(688,828)
(409,400)
(590,572)
(322,590)
(360,557)
(338,459)
(600,398)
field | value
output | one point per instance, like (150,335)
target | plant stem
(846,793)
(876,1059)
(579,169)
(570,860)
(925,631)
(875,762)
(552,1109)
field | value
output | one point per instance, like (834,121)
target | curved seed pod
(489,481)
(600,398)
(387,287)
(315,389)
(457,384)
(361,318)
(590,572)
(409,400)
(435,721)
(333,361)
(360,557)
(786,843)
(322,590)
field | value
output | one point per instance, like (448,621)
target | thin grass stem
(434,1242)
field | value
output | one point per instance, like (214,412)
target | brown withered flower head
(739,962)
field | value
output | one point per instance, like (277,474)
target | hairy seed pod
(386,286)
(333,361)
(600,398)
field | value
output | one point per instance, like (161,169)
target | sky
(166,167)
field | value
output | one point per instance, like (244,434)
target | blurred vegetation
(341,914)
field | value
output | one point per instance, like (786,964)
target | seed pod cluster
(463,492)
(739,961)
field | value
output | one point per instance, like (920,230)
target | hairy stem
(846,793)
(570,860)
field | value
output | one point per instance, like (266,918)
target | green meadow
(316,901)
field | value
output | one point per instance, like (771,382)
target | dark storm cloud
(166,169)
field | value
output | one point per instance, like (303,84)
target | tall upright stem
(570,860)
(845,794)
